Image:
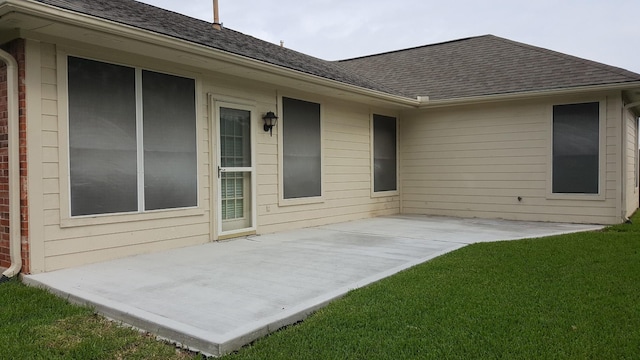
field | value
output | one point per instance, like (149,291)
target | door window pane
(233,199)
(302,164)
(384,153)
(576,149)
(102,137)
(235,137)
(170,160)
(235,190)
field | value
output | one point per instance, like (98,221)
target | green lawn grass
(564,297)
(35,324)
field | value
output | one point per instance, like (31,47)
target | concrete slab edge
(177,333)
(215,345)
(551,233)
(211,344)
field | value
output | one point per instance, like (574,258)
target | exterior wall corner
(17,49)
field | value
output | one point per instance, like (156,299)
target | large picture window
(112,168)
(384,154)
(576,148)
(302,162)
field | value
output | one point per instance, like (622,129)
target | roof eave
(425,103)
(52,13)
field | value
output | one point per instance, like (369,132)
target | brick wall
(17,49)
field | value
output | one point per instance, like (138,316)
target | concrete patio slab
(220,296)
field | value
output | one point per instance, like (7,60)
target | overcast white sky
(606,31)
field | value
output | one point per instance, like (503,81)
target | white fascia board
(528,95)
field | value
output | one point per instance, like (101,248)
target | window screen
(170,165)
(384,153)
(103,146)
(576,130)
(302,165)
(102,137)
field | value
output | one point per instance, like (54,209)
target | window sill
(301,201)
(578,197)
(379,194)
(90,220)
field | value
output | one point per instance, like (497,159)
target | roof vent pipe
(216,16)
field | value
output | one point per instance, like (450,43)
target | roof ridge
(412,48)
(613,69)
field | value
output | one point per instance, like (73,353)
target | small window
(384,153)
(576,149)
(106,155)
(301,144)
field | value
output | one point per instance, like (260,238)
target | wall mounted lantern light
(270,120)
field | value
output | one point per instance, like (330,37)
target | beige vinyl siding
(471,161)
(347,174)
(631,159)
(63,241)
(67,243)
(476,161)
(41,99)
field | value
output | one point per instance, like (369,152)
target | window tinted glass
(102,137)
(576,148)
(384,153)
(170,160)
(301,149)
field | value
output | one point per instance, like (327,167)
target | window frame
(64,166)
(385,193)
(282,201)
(602,149)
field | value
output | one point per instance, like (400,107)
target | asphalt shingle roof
(477,66)
(165,22)
(484,65)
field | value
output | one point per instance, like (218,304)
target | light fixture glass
(270,120)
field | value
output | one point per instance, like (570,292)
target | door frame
(216,102)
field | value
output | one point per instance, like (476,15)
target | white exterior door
(235,169)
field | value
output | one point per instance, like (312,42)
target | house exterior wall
(470,161)
(63,241)
(630,125)
(17,49)
(494,161)
(346,153)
